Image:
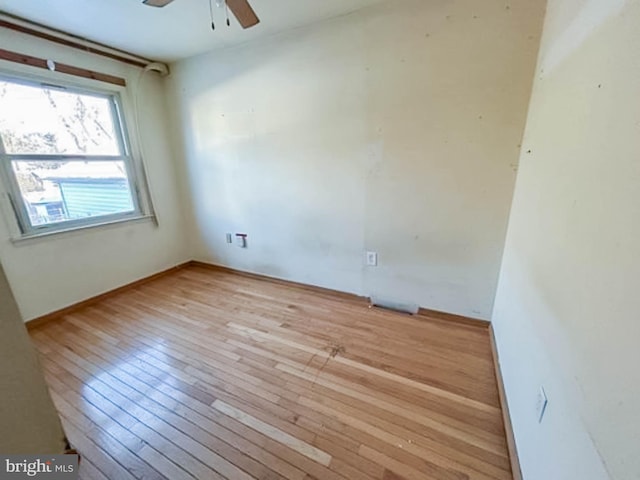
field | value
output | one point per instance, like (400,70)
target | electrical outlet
(229,238)
(372,259)
(541,404)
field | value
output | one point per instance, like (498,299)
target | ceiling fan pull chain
(226,8)
(213,25)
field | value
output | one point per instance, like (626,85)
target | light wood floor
(207,374)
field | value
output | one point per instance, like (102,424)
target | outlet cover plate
(372,259)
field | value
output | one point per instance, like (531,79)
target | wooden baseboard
(508,427)
(424,312)
(432,314)
(280,281)
(39,321)
(450,317)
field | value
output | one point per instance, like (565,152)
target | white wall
(566,312)
(394,129)
(28,419)
(48,274)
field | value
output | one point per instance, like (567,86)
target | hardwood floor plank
(114,458)
(367,368)
(109,467)
(159,421)
(408,442)
(100,424)
(287,470)
(401,469)
(353,379)
(467,433)
(299,446)
(88,471)
(207,374)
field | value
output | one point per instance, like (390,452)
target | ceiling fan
(240,8)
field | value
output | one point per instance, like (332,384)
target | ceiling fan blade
(243,12)
(157,3)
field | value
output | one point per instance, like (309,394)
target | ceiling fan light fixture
(157,3)
(241,9)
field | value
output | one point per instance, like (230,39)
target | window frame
(134,176)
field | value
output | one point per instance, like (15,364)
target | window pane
(40,120)
(61,191)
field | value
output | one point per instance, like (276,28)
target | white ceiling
(179,30)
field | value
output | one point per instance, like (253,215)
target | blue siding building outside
(88,197)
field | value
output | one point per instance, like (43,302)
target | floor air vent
(393,305)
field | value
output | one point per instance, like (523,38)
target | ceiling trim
(23,59)
(38,30)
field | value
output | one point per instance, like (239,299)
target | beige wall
(28,420)
(48,274)
(566,312)
(394,129)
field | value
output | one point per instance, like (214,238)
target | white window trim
(13,206)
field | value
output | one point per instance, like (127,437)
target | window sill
(78,228)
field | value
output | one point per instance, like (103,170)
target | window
(64,157)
